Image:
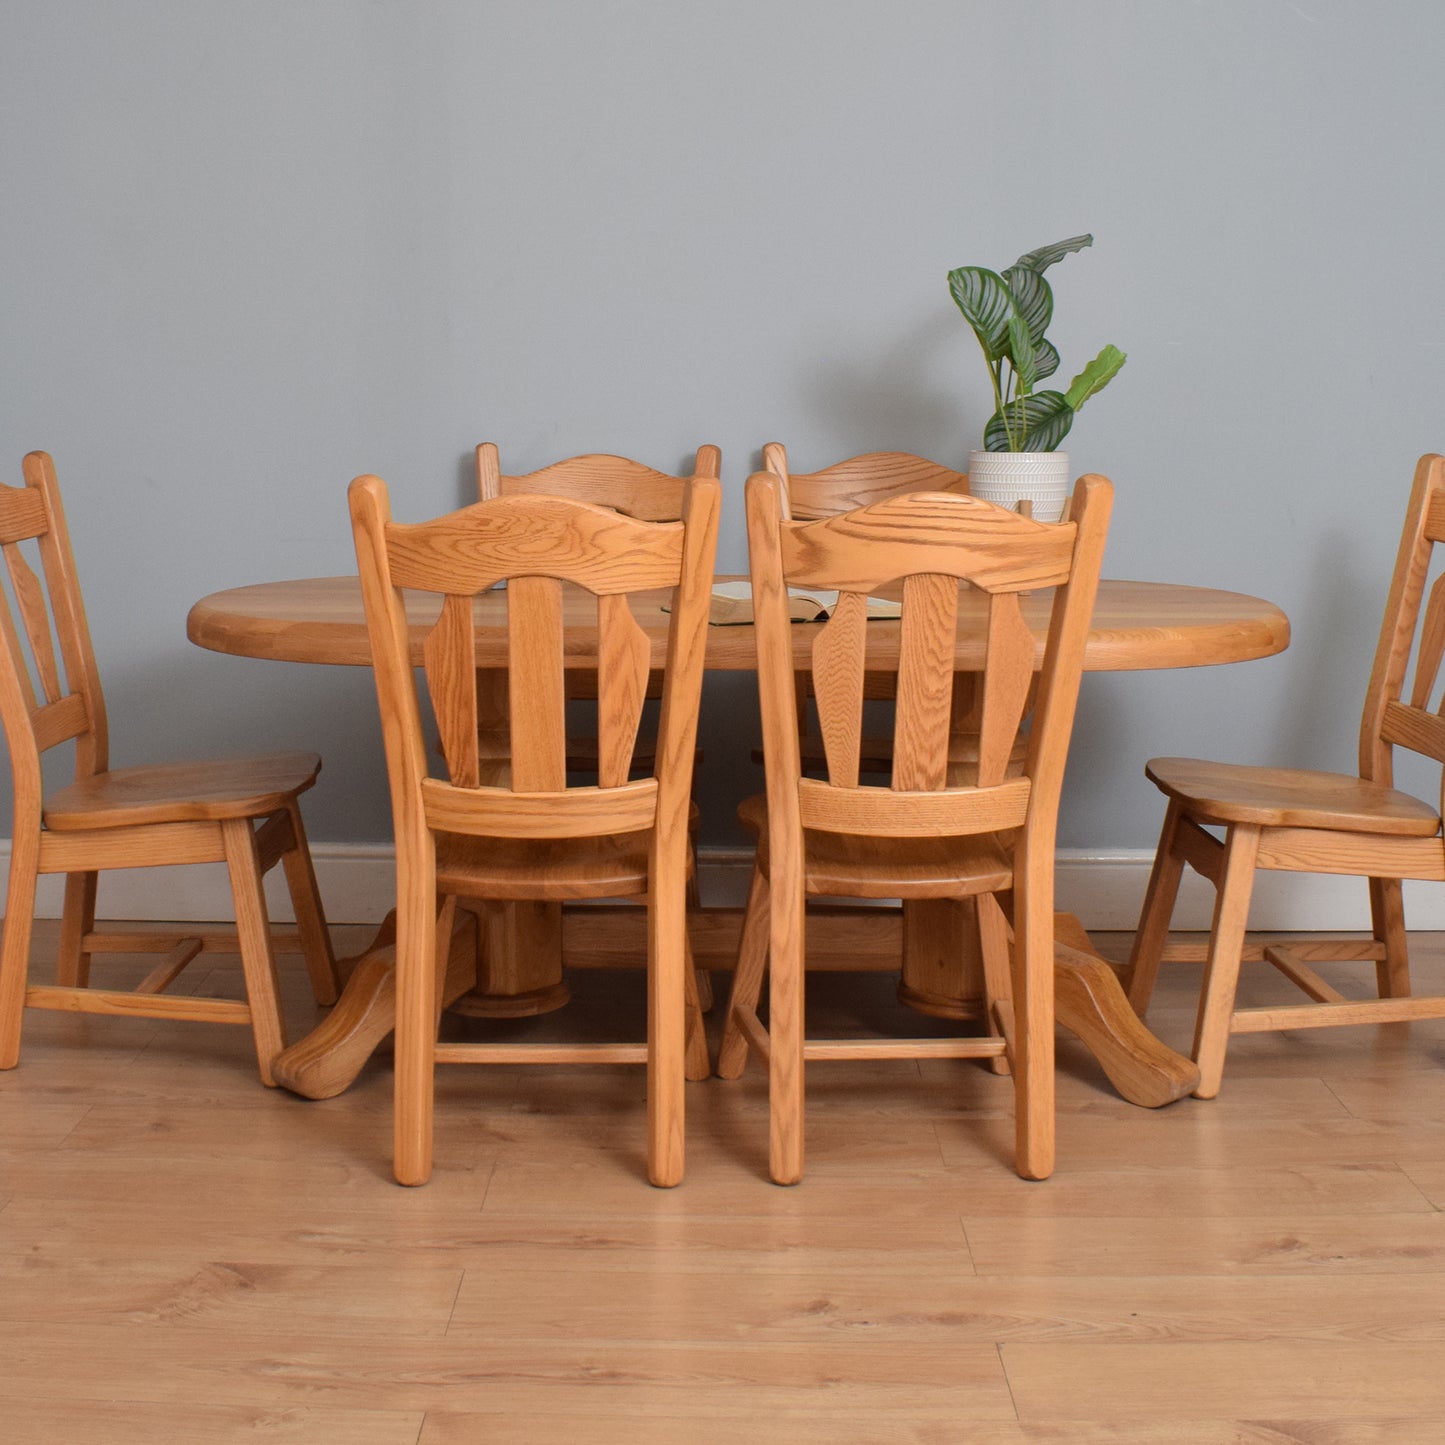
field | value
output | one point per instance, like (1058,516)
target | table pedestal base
(942,972)
(1089,1000)
(519,962)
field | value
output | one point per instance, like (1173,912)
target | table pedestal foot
(943,977)
(1091,1003)
(326,1062)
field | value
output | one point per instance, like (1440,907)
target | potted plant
(1009,313)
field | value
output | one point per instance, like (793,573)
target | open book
(732,603)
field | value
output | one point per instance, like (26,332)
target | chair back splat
(242,811)
(1301,820)
(941,827)
(569,567)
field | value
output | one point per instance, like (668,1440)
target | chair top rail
(857,481)
(927,533)
(603,479)
(595,547)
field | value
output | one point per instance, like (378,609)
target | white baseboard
(357,881)
(1103,887)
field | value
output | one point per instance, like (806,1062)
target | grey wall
(251,249)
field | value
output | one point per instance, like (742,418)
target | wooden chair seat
(1291,798)
(546,869)
(905,868)
(182,792)
(1290,820)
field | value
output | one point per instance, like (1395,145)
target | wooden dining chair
(921,836)
(240,811)
(1304,821)
(841,487)
(533,837)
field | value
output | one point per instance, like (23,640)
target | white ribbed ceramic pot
(1008,477)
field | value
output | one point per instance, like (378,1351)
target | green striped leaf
(1095,376)
(1047,418)
(1046,359)
(1021,353)
(1033,299)
(1045,256)
(986,304)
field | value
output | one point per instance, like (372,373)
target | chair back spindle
(1413,630)
(49,685)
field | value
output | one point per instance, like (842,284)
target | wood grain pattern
(857,481)
(1135,626)
(606,481)
(187,1257)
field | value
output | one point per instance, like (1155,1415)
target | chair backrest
(857,482)
(1392,718)
(931,543)
(49,686)
(536,544)
(629,487)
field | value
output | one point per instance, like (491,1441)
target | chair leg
(699,1061)
(1033,1010)
(1221,967)
(253,934)
(747,986)
(785,1023)
(994,950)
(15,951)
(1153,929)
(1387,910)
(310,916)
(668,958)
(416,1013)
(701,978)
(72,963)
(446,926)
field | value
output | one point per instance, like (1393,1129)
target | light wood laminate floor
(185,1256)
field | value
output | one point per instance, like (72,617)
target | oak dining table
(1136,626)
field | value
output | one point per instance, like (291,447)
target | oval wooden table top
(1136,626)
